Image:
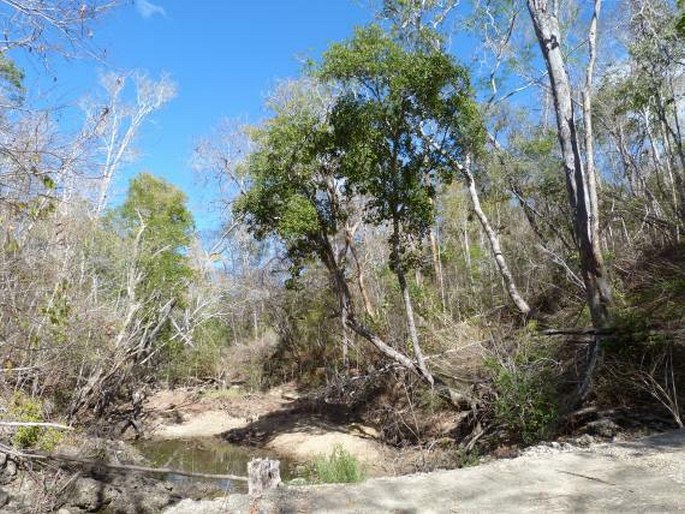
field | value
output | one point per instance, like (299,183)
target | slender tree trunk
(495,246)
(435,250)
(579,184)
(587,123)
(581,181)
(361,282)
(346,338)
(406,300)
(493,238)
(437,266)
(674,174)
(346,306)
(659,166)
(467,255)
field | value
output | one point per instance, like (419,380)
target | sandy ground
(202,424)
(304,446)
(262,420)
(642,476)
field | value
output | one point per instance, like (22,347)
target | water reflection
(205,455)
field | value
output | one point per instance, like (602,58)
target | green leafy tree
(393,97)
(297,194)
(293,193)
(367,143)
(155,214)
(12,75)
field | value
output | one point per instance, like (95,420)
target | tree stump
(262,474)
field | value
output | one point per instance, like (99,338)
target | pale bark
(495,246)
(347,314)
(408,307)
(435,252)
(117,124)
(493,238)
(437,266)
(361,282)
(580,184)
(263,474)
(587,122)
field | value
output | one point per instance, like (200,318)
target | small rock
(3,460)
(290,395)
(91,494)
(603,428)
(11,468)
(63,511)
(297,481)
(86,494)
(4,498)
(584,440)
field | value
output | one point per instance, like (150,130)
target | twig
(34,424)
(575,331)
(594,479)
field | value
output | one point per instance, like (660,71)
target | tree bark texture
(262,475)
(580,184)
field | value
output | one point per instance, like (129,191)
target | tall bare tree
(581,180)
(115,122)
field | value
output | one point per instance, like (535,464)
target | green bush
(340,467)
(525,382)
(23,408)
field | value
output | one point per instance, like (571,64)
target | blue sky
(224,55)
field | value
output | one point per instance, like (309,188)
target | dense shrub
(526,394)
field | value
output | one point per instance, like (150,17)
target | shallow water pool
(206,455)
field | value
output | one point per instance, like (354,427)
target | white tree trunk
(581,185)
(495,246)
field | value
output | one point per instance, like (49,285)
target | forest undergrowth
(469,258)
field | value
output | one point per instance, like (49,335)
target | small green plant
(230,393)
(340,467)
(467,458)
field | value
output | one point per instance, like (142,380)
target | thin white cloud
(147,9)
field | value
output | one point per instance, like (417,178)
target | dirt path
(642,476)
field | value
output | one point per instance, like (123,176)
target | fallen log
(118,467)
(34,424)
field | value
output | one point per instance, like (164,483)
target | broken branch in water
(121,467)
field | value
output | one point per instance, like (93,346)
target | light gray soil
(640,476)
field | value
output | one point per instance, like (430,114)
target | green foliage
(291,175)
(680,20)
(393,100)
(199,361)
(339,467)
(13,77)
(23,408)
(307,348)
(525,382)
(159,209)
(299,218)
(467,459)
(426,299)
